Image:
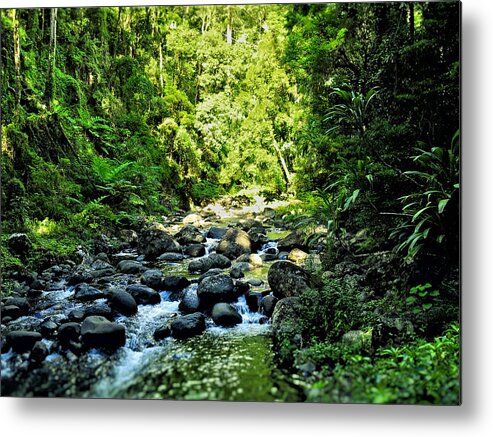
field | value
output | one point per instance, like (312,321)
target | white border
(474,418)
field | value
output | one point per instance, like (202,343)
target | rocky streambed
(182,311)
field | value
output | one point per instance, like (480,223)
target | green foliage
(352,110)
(421,298)
(205,191)
(419,373)
(332,311)
(432,213)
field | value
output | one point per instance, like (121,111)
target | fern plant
(431,215)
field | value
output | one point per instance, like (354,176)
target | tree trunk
(50,86)
(287,174)
(411,22)
(229,30)
(17,58)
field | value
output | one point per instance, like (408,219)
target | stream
(223,363)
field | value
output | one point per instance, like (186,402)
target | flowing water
(221,364)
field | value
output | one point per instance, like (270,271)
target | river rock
(254,259)
(99,309)
(19,244)
(216,232)
(214,260)
(98,332)
(267,305)
(293,240)
(193,219)
(188,326)
(22,341)
(143,294)
(170,257)
(194,250)
(38,353)
(130,237)
(215,289)
(237,273)
(235,242)
(189,235)
(257,238)
(48,328)
(19,302)
(87,293)
(297,256)
(190,301)
(130,267)
(287,315)
(155,241)
(252,300)
(68,333)
(208,273)
(286,279)
(100,264)
(78,277)
(162,332)
(175,283)
(122,302)
(225,315)
(152,278)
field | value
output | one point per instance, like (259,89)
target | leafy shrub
(205,191)
(432,213)
(332,311)
(419,373)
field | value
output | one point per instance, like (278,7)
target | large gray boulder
(98,332)
(187,326)
(235,242)
(224,314)
(189,235)
(143,294)
(286,279)
(215,289)
(155,241)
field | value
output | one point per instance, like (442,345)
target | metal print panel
(234,203)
